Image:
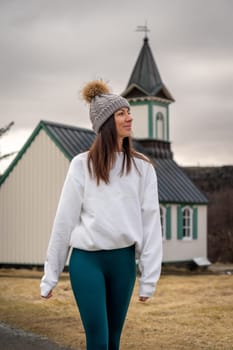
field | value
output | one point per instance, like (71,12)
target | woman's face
(123,121)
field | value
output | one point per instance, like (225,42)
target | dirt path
(17,339)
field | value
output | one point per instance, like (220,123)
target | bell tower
(149,99)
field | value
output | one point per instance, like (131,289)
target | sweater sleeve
(66,218)
(151,253)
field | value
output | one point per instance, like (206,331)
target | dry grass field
(188,312)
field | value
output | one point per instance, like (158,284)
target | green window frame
(187,223)
(165,217)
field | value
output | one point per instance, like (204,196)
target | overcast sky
(51,48)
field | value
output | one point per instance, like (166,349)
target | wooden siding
(28,201)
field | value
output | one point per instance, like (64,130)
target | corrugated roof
(71,139)
(174,185)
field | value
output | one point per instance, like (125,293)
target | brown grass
(187,312)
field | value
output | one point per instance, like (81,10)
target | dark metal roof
(145,73)
(145,79)
(174,185)
(72,140)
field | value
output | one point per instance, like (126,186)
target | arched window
(187,223)
(163,220)
(159,126)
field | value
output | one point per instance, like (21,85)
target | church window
(187,222)
(159,126)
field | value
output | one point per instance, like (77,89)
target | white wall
(181,250)
(140,121)
(28,200)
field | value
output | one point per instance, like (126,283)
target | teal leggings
(102,283)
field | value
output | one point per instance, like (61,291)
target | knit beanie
(102,103)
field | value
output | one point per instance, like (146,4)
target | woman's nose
(129,117)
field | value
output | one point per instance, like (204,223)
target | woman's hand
(50,294)
(143,299)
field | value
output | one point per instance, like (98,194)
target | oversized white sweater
(109,216)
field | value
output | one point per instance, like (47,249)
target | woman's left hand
(143,299)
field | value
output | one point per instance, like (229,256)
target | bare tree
(6,128)
(3,131)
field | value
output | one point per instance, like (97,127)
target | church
(183,208)
(31,185)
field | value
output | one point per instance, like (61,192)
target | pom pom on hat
(94,88)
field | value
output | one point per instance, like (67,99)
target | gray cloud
(50,48)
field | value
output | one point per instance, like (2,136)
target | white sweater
(117,215)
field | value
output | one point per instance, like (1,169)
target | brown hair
(102,154)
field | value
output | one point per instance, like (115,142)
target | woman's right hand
(50,294)
(143,299)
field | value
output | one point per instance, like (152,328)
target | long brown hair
(103,152)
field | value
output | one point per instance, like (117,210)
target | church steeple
(145,79)
(149,98)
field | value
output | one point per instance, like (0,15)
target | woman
(109,214)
